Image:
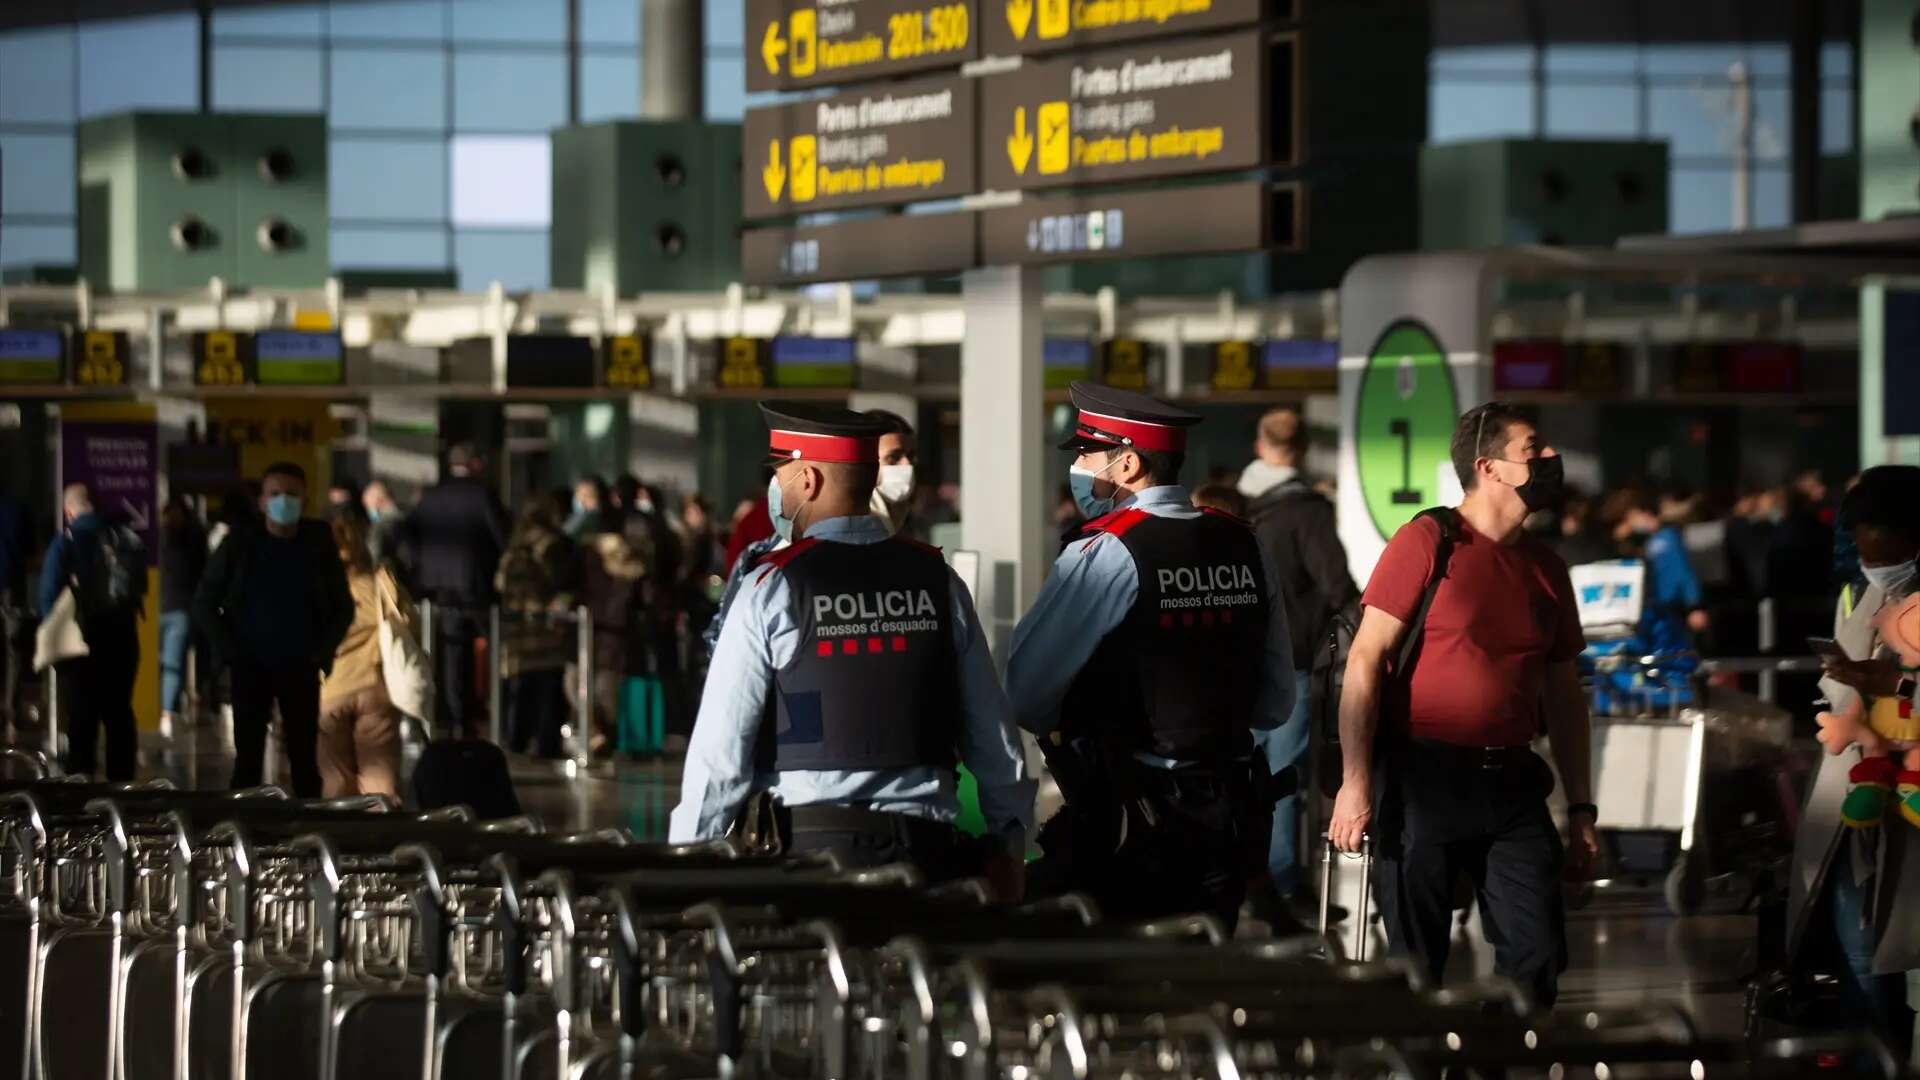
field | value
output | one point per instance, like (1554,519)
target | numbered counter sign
(1403,424)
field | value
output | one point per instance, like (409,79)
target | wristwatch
(1574,808)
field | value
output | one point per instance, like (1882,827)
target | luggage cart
(1714,777)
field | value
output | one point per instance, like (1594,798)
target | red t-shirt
(1503,613)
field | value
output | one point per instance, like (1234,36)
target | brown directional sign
(1013,27)
(799,43)
(869,248)
(1162,109)
(1245,216)
(897,143)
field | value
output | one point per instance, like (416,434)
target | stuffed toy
(1887,732)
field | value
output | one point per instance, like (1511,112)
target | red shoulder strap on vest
(780,558)
(928,548)
(1224,516)
(1116,523)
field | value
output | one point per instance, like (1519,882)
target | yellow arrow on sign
(772,48)
(1020,144)
(773,175)
(1019,14)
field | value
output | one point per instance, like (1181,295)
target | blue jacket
(69,557)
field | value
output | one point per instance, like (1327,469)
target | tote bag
(403,663)
(59,637)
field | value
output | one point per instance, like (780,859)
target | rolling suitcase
(1358,951)
(470,772)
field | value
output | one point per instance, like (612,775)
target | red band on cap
(843,449)
(1135,433)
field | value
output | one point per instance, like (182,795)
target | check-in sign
(793,44)
(1165,109)
(1011,27)
(898,143)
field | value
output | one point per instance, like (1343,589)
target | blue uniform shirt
(1090,592)
(757,639)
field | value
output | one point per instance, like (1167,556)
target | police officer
(1154,649)
(850,679)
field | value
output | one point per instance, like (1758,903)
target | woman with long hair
(359,746)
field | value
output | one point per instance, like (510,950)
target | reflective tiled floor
(1626,949)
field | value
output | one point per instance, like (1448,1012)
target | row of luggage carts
(148,933)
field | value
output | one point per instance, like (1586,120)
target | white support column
(1001,498)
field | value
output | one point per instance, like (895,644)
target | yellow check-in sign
(1053,130)
(1055,19)
(801,170)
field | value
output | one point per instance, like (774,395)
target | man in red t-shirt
(1450,786)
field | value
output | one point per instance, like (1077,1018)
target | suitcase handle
(1365,856)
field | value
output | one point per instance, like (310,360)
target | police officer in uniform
(851,677)
(1153,651)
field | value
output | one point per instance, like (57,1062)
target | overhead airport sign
(624,364)
(857,250)
(793,44)
(885,145)
(1012,27)
(298,358)
(1163,109)
(1181,221)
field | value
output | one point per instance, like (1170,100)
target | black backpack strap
(1448,524)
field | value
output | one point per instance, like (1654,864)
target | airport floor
(1625,947)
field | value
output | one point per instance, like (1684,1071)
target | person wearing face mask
(276,605)
(1156,649)
(1436,767)
(1671,614)
(852,677)
(1849,912)
(386,525)
(893,491)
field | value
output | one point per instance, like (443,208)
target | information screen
(1063,360)
(32,357)
(298,358)
(810,361)
(550,362)
(1301,364)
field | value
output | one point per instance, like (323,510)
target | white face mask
(896,482)
(1891,579)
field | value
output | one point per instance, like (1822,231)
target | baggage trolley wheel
(1685,890)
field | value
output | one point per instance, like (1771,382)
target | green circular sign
(1403,425)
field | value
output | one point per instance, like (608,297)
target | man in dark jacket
(1294,525)
(275,604)
(16,546)
(98,686)
(453,541)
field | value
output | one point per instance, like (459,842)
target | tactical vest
(1181,675)
(873,683)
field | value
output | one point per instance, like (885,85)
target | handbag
(59,636)
(403,663)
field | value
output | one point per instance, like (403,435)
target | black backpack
(1330,660)
(115,582)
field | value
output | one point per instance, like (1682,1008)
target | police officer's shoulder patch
(1117,523)
(775,560)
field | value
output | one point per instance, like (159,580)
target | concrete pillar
(672,71)
(1002,497)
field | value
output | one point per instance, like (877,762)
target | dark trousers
(535,701)
(1190,839)
(256,690)
(1455,817)
(864,839)
(99,690)
(457,699)
(16,652)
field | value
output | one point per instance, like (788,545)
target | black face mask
(1546,484)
